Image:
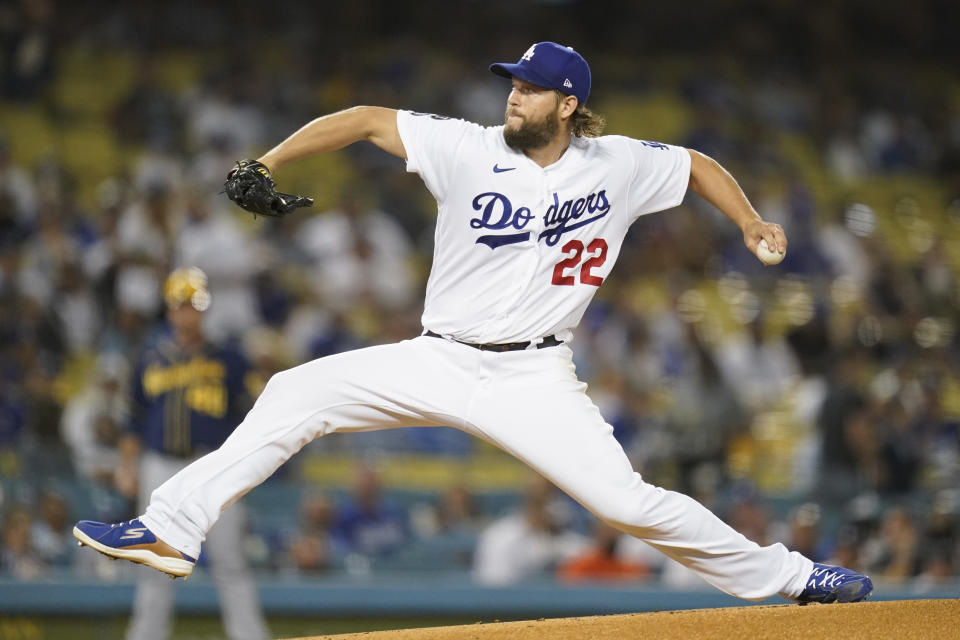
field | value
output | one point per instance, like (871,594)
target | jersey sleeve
(432,143)
(660,178)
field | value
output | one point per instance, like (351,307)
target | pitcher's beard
(532,134)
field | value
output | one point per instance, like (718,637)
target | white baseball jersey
(520,249)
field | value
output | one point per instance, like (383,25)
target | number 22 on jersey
(597,251)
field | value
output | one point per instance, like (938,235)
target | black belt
(549,341)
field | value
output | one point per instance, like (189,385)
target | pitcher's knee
(301,385)
(290,379)
(621,515)
(285,401)
(633,508)
(278,383)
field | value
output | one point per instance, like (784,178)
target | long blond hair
(584,122)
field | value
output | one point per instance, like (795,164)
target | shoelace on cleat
(829,579)
(122,524)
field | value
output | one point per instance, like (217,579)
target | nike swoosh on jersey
(497,169)
(498,241)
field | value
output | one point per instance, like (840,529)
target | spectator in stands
(863,437)
(92,420)
(750,516)
(705,415)
(528,543)
(127,330)
(29,51)
(11,416)
(125,299)
(32,337)
(845,399)
(74,305)
(458,511)
(148,114)
(942,535)
(847,548)
(145,239)
(211,238)
(804,532)
(895,552)
(359,253)
(940,543)
(51,533)
(45,252)
(333,335)
(222,109)
(44,454)
(798,211)
(841,241)
(600,561)
(312,549)
(449,527)
(367,524)
(757,365)
(938,573)
(900,449)
(18,198)
(18,557)
(100,257)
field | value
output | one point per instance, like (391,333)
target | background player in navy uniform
(188,395)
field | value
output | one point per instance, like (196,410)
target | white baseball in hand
(766,255)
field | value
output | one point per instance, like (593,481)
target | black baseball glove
(249,185)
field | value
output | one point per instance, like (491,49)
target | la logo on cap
(551,66)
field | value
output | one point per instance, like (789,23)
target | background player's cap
(550,65)
(187,284)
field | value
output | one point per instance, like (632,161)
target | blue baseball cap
(553,66)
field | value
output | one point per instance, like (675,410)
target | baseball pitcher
(531,218)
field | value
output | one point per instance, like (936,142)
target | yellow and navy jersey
(188,402)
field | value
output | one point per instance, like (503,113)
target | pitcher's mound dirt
(901,619)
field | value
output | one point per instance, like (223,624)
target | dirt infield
(902,619)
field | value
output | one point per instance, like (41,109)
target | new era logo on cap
(553,66)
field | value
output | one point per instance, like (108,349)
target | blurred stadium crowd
(816,403)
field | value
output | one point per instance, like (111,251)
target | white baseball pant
(529,403)
(239,604)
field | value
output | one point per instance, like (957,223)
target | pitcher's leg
(562,435)
(376,388)
(691,534)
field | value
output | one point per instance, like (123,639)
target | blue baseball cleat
(132,541)
(834,584)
